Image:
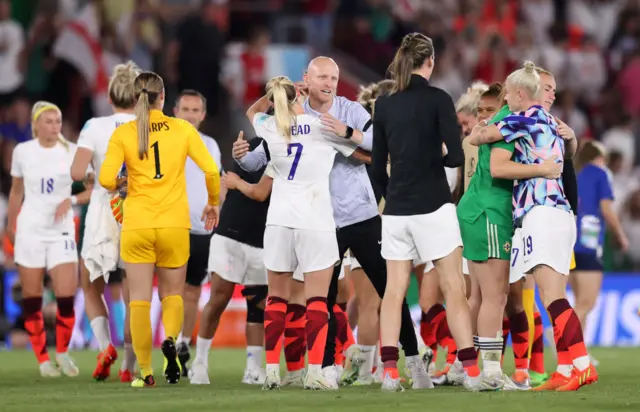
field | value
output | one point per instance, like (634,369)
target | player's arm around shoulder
(258,191)
(360,120)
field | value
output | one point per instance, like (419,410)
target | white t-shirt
(300,198)
(47,183)
(12,39)
(95,136)
(197,186)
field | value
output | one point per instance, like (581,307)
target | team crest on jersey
(507,246)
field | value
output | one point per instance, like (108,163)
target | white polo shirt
(197,188)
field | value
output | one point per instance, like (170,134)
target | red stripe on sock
(520,339)
(274,324)
(34,325)
(65,320)
(536,363)
(316,328)
(295,345)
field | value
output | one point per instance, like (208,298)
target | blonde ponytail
(142,123)
(36,111)
(281,111)
(415,49)
(148,87)
(282,93)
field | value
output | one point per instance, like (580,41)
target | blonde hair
(121,91)
(148,87)
(369,94)
(468,102)
(282,93)
(527,78)
(37,110)
(541,70)
(414,50)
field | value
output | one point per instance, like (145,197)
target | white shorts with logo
(424,237)
(515,265)
(547,237)
(287,249)
(36,253)
(236,262)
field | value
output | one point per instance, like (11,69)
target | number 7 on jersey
(296,158)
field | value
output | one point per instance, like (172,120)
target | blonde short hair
(526,78)
(37,110)
(121,90)
(468,102)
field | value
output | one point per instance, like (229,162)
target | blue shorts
(588,261)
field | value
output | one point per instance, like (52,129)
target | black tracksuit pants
(363,239)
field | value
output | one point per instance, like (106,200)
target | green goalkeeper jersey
(486,194)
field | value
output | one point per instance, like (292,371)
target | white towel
(101,250)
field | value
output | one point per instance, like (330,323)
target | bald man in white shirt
(191,106)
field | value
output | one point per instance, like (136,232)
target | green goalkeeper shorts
(483,240)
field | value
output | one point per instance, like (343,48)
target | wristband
(74,200)
(349,132)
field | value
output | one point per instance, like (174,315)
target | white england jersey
(47,183)
(95,136)
(300,198)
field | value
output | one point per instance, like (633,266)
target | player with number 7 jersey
(300,230)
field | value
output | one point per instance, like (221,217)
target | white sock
(184,339)
(565,370)
(100,327)
(369,354)
(314,368)
(491,352)
(254,357)
(129,359)
(273,368)
(202,350)
(582,362)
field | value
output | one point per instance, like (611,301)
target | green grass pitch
(22,389)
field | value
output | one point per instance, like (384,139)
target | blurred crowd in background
(63,51)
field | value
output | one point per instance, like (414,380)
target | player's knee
(514,303)
(191,293)
(451,287)
(370,307)
(585,302)
(256,296)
